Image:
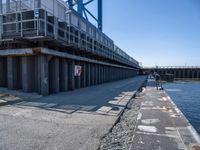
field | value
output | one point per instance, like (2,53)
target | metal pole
(7,6)
(80,7)
(70,3)
(1,11)
(100,15)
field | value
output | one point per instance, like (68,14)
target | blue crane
(84,12)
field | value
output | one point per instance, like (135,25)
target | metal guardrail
(80,33)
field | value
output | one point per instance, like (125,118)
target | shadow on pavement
(88,99)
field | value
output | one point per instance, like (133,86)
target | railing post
(21,24)
(45,23)
(7,6)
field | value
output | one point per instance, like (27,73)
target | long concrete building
(178,72)
(46,48)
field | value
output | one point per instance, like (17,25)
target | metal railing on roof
(26,18)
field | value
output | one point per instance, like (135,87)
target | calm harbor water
(186,95)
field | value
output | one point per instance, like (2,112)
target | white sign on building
(77,70)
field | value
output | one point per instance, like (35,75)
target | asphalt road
(65,121)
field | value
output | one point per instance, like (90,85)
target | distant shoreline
(186,80)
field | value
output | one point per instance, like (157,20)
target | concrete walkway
(161,125)
(72,120)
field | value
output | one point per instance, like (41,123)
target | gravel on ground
(121,135)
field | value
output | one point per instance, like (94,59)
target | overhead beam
(35,51)
(88,2)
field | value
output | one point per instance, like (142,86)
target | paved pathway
(72,120)
(161,125)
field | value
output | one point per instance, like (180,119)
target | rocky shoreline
(122,133)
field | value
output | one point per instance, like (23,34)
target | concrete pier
(36,31)
(182,72)
(69,120)
(161,125)
(48,71)
(151,122)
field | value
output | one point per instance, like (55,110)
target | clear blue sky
(155,32)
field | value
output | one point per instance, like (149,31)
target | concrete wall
(46,74)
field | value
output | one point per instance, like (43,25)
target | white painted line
(150,121)
(147,128)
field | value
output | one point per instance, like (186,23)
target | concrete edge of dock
(157,124)
(189,128)
(181,129)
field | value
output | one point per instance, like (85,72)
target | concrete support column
(175,73)
(78,80)
(179,73)
(112,73)
(28,74)
(63,75)
(13,73)
(44,74)
(3,72)
(106,75)
(98,74)
(71,75)
(83,75)
(101,80)
(193,73)
(95,74)
(189,74)
(185,73)
(92,74)
(54,80)
(88,74)
(116,74)
(121,73)
(198,73)
(103,68)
